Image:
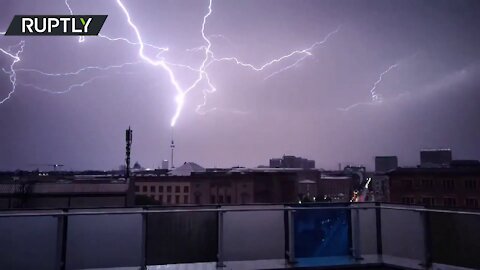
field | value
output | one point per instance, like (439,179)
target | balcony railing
(241,237)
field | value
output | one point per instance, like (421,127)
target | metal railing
(366,229)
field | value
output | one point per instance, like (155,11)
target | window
(427,201)
(449,202)
(185,189)
(448,184)
(212,199)
(177,189)
(417,184)
(144,188)
(137,189)
(407,184)
(427,183)
(152,188)
(244,197)
(169,198)
(220,199)
(408,200)
(177,199)
(160,189)
(169,189)
(197,198)
(185,199)
(471,203)
(471,184)
(229,199)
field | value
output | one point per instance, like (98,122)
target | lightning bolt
(79,71)
(12,72)
(68,89)
(202,75)
(376,98)
(304,52)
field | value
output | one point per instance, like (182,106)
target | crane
(54,166)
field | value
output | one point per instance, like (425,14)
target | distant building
(456,186)
(165,164)
(275,163)
(164,189)
(237,186)
(48,190)
(381,187)
(434,158)
(292,162)
(338,187)
(187,169)
(385,163)
(380,184)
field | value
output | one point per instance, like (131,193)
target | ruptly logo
(54,25)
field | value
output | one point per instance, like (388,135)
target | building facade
(439,187)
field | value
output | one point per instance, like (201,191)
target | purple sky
(429,100)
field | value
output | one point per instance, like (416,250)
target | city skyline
(371,79)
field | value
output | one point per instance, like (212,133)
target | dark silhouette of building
(292,162)
(385,163)
(435,158)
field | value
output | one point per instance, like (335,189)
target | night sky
(430,99)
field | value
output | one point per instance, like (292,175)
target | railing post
(357,252)
(144,239)
(291,237)
(220,240)
(427,262)
(62,230)
(378,217)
